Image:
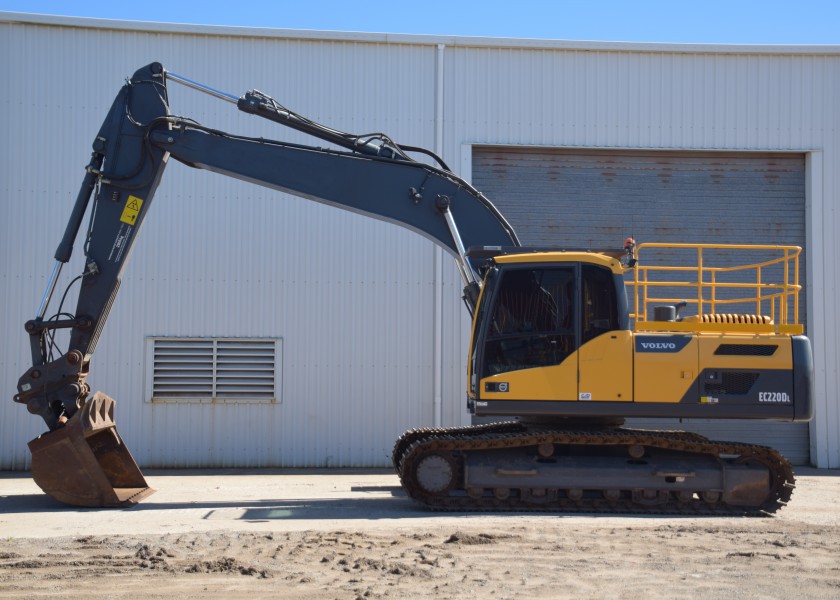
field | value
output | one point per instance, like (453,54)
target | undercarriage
(536,467)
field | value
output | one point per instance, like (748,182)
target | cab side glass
(532,320)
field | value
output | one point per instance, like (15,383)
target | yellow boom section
(759,295)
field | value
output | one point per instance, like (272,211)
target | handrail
(769,287)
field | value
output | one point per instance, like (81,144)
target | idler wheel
(435,474)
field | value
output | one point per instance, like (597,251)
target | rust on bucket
(86,463)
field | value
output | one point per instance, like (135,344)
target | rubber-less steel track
(454,444)
(412,436)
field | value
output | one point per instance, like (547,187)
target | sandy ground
(340,534)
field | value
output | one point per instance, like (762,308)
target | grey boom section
(390,190)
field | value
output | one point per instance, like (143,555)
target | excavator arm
(82,459)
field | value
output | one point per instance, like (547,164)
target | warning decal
(131,210)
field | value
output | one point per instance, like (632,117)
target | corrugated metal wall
(595,199)
(353,299)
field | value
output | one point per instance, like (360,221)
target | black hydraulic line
(428,153)
(257,103)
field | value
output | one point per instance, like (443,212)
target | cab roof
(609,258)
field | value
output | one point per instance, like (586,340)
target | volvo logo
(661,343)
(658,345)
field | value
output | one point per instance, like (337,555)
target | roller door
(595,199)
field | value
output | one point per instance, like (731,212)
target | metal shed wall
(372,326)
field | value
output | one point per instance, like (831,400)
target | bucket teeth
(86,463)
(97,413)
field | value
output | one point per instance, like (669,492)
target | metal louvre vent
(746,350)
(210,370)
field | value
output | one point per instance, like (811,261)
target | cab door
(605,357)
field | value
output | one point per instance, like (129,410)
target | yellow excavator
(566,343)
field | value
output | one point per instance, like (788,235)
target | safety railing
(724,287)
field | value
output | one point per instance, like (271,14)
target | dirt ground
(341,534)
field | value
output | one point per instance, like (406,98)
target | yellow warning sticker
(131,210)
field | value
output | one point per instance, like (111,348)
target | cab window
(532,321)
(599,303)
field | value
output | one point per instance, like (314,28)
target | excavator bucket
(86,463)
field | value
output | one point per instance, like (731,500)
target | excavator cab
(536,327)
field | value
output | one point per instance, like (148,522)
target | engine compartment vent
(746,350)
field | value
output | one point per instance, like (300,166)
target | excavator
(565,345)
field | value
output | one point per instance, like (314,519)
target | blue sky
(700,21)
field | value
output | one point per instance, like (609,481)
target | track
(452,448)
